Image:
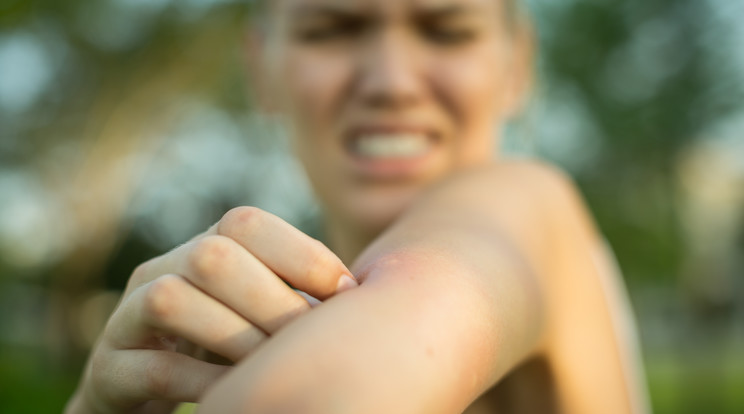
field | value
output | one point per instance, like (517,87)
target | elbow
(493,312)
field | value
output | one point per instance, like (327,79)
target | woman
(464,269)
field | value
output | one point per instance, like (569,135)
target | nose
(389,75)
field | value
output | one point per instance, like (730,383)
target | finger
(171,306)
(302,261)
(310,266)
(313,302)
(149,270)
(145,375)
(223,269)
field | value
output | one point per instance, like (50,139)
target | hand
(223,291)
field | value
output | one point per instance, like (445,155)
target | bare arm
(591,341)
(455,294)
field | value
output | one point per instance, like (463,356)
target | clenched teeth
(379,146)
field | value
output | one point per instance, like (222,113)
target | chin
(374,210)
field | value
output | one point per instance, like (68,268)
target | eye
(449,36)
(329,32)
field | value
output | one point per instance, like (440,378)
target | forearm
(393,345)
(456,293)
(443,312)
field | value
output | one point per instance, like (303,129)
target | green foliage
(644,80)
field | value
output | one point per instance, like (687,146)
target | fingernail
(346,282)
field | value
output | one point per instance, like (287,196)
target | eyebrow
(444,11)
(424,12)
(330,10)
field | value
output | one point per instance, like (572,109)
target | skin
(473,271)
(440,78)
(222,292)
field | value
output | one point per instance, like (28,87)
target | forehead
(384,7)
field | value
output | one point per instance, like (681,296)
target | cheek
(474,89)
(314,85)
(475,86)
(312,88)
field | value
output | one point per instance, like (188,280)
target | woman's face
(386,97)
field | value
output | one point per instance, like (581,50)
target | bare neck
(346,240)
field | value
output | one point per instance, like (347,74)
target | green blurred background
(126,127)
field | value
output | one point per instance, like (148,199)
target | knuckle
(139,275)
(161,298)
(211,254)
(241,220)
(158,378)
(99,366)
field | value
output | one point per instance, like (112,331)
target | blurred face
(386,97)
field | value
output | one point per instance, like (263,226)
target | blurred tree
(644,72)
(126,125)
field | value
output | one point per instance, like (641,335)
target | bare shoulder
(553,190)
(534,205)
(540,178)
(536,193)
(525,177)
